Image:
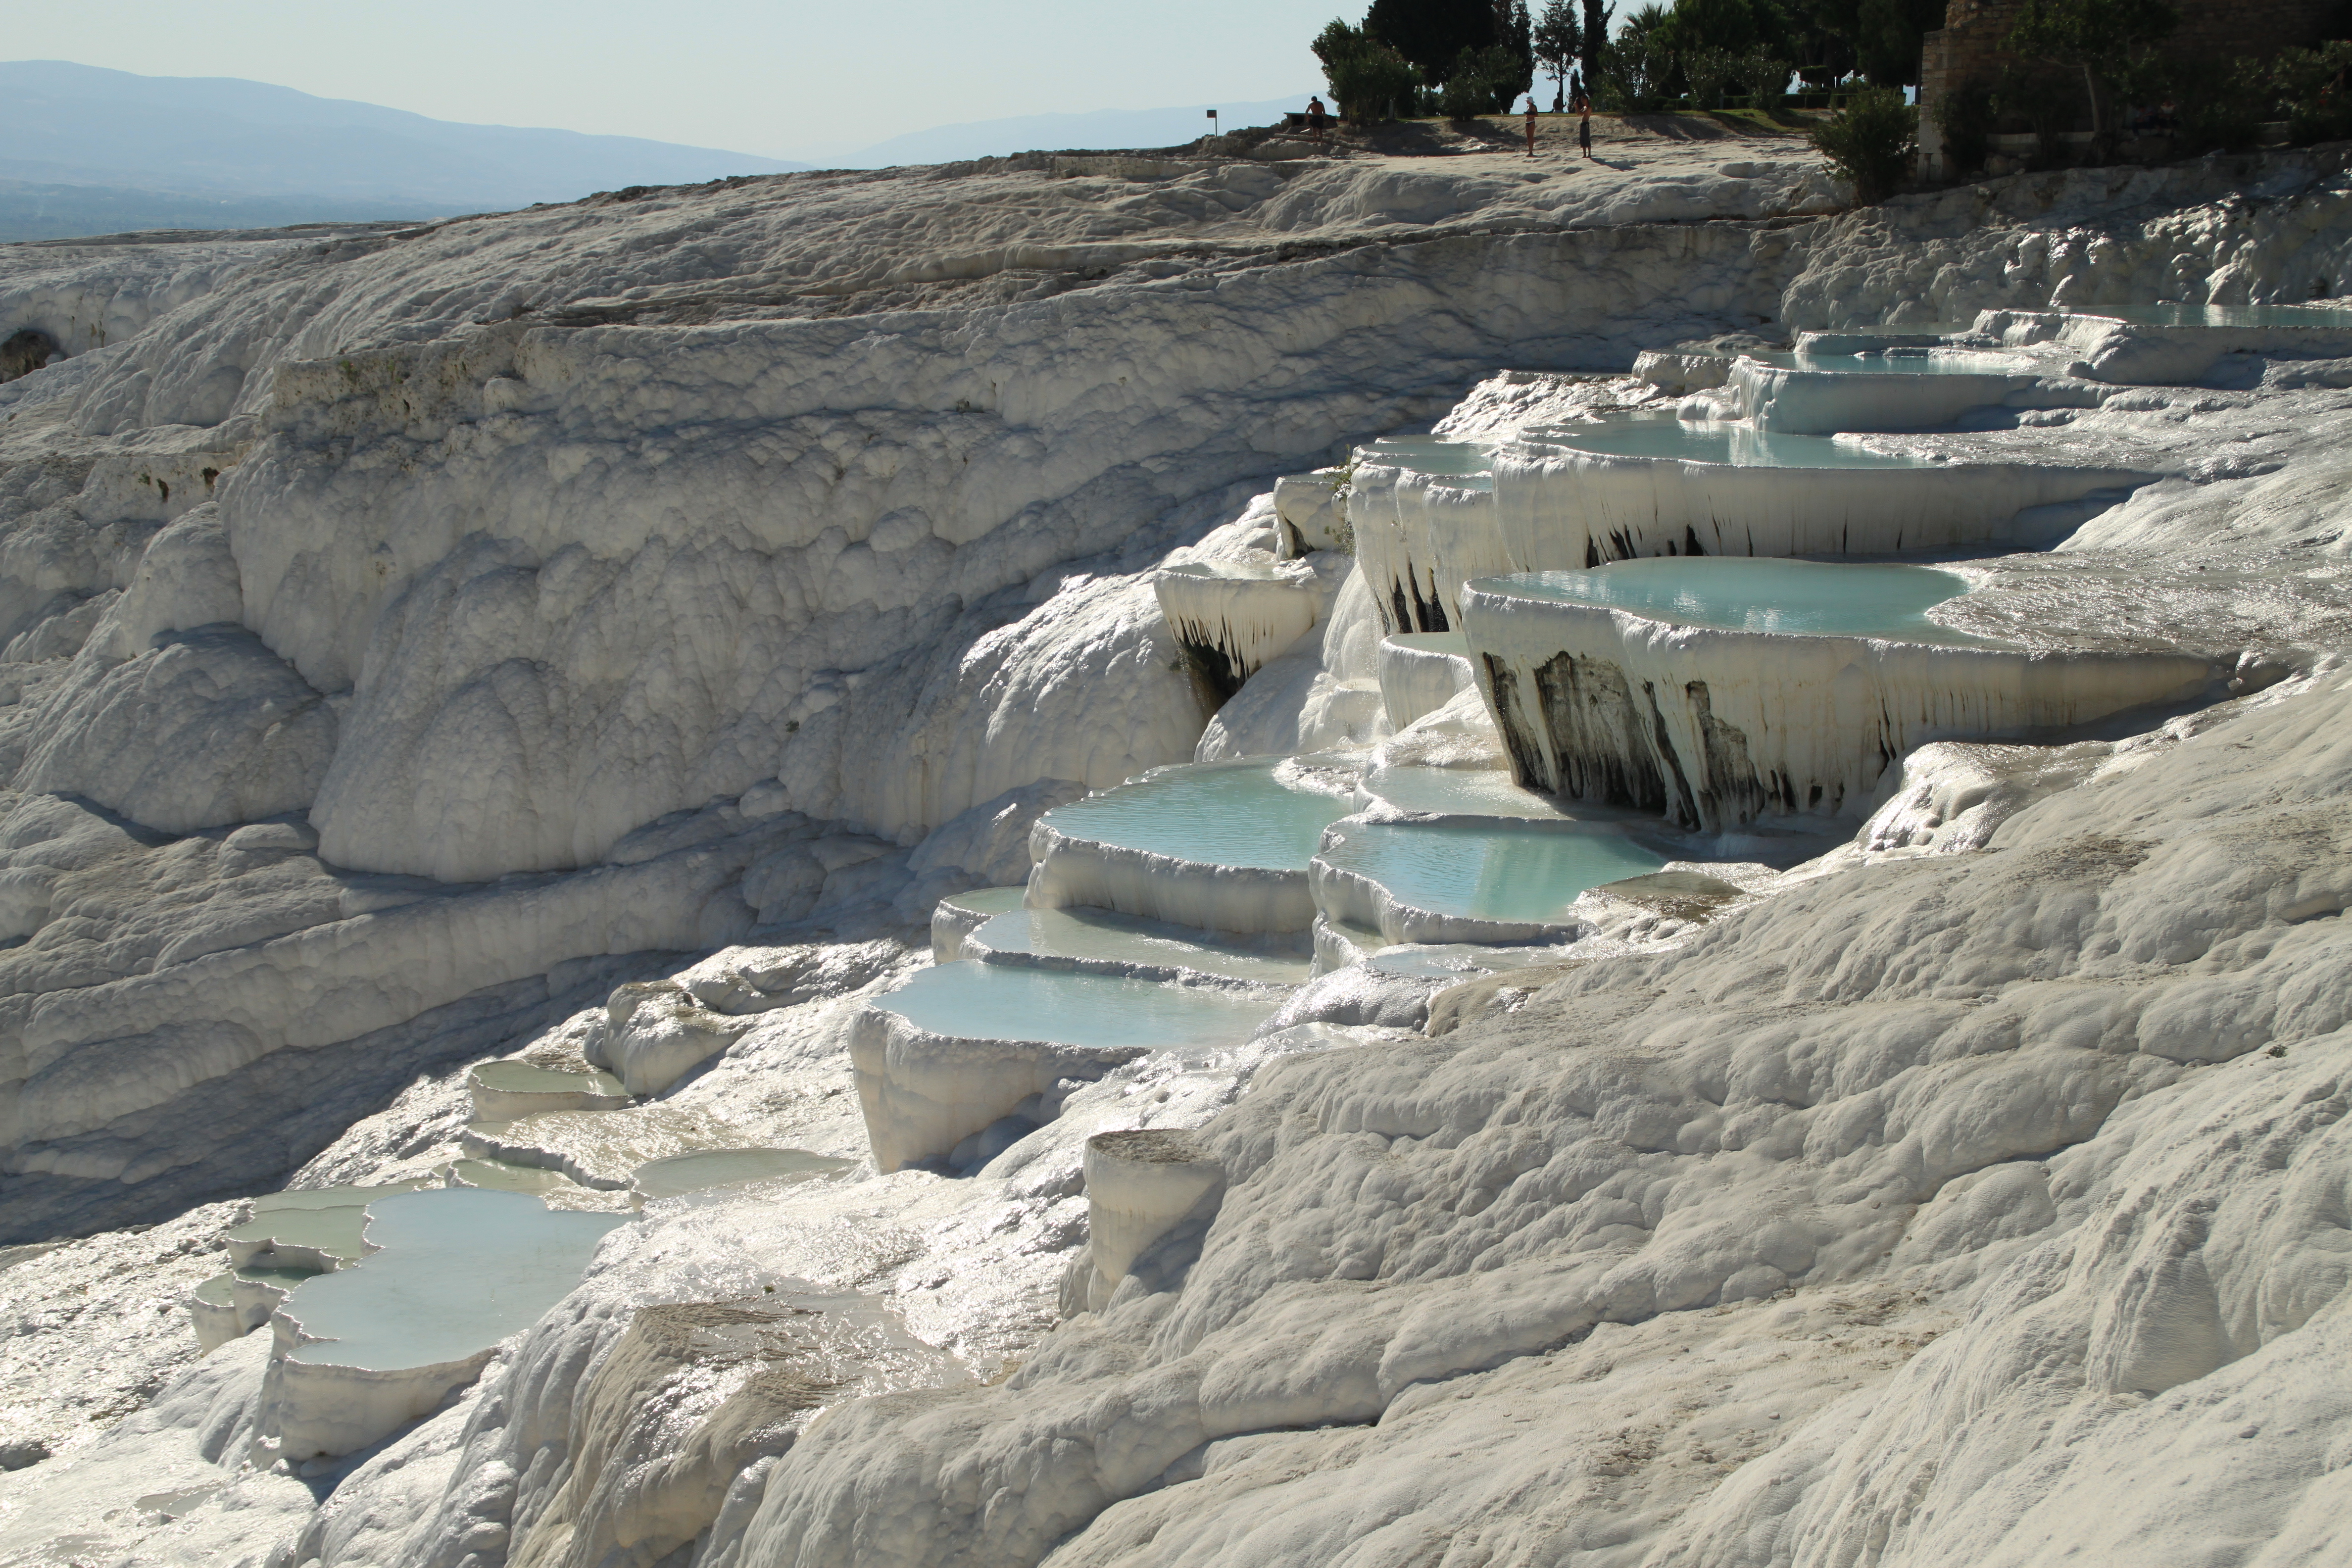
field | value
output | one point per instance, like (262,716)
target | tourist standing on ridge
(1584,126)
(1531,125)
(1318,122)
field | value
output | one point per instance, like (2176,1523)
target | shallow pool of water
(1734,445)
(707,1168)
(1893,362)
(2337,318)
(1456,791)
(1223,814)
(522,1078)
(1080,933)
(459,1269)
(1428,454)
(1758,593)
(1486,873)
(1058,1006)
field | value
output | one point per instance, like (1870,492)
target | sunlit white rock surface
(1714,727)
(693,553)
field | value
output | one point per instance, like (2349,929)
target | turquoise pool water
(1080,933)
(1893,362)
(1427,455)
(522,1077)
(2329,316)
(1758,593)
(460,1268)
(1488,873)
(1059,1006)
(707,1168)
(1222,813)
(1457,791)
(1735,445)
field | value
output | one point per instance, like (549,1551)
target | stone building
(1968,48)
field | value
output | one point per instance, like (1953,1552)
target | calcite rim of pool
(1909,626)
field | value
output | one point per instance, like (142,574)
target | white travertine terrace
(1140,1185)
(1230,617)
(703,585)
(1422,672)
(1714,728)
(1560,509)
(923,1093)
(1807,400)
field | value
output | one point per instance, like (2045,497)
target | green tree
(1636,69)
(1431,34)
(1886,38)
(1596,40)
(1558,41)
(1367,78)
(1871,141)
(1820,38)
(1515,32)
(1765,77)
(2103,39)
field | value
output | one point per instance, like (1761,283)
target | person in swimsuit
(1531,125)
(1318,122)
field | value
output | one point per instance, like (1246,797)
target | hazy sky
(782,79)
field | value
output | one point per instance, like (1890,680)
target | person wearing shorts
(1318,122)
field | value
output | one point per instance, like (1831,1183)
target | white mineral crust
(411,638)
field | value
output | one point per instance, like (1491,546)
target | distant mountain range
(85,151)
(140,146)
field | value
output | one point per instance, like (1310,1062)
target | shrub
(1709,71)
(1965,116)
(2308,86)
(1871,141)
(2041,98)
(1765,78)
(1483,81)
(2218,105)
(1632,74)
